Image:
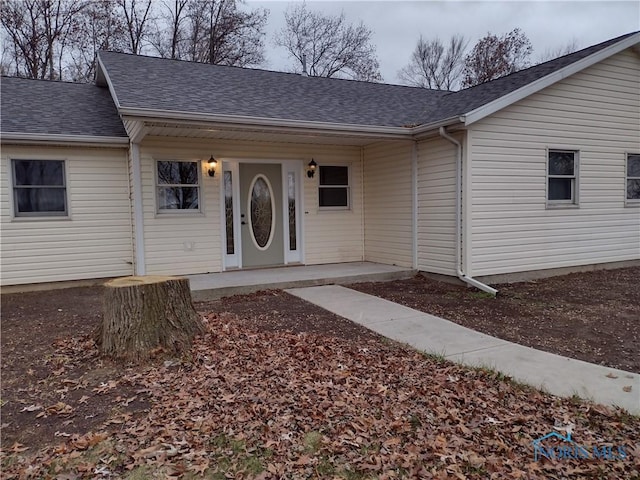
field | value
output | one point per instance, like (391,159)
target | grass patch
(480,295)
(142,472)
(312,442)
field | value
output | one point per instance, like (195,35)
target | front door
(261,214)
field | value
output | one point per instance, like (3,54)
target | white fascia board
(105,74)
(544,82)
(245,121)
(51,139)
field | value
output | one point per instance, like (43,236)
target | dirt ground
(42,333)
(592,316)
(55,385)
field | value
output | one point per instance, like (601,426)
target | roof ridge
(66,82)
(577,53)
(277,72)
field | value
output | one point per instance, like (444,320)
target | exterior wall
(437,206)
(192,243)
(595,111)
(388,202)
(93,242)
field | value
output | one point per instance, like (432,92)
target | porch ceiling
(166,129)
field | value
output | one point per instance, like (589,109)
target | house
(171,167)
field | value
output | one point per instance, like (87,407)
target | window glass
(560,189)
(291,184)
(334,175)
(39,172)
(228,211)
(561,163)
(178,173)
(333,197)
(39,188)
(178,187)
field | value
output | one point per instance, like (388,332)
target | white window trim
(575,185)
(38,216)
(629,202)
(348,187)
(177,212)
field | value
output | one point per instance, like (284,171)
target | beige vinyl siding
(331,236)
(597,112)
(388,203)
(93,242)
(436,206)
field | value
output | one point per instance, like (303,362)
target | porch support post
(414,204)
(138,212)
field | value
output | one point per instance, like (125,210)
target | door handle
(243,223)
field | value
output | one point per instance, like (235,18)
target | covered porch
(212,286)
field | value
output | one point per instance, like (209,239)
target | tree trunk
(142,315)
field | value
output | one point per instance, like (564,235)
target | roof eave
(17,138)
(240,121)
(548,80)
(427,128)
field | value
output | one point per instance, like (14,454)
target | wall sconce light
(312,168)
(212,166)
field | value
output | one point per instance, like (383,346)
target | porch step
(213,286)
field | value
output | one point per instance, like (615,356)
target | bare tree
(434,65)
(39,31)
(101,27)
(137,20)
(60,38)
(212,31)
(551,53)
(328,46)
(494,57)
(169,39)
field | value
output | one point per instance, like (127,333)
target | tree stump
(144,314)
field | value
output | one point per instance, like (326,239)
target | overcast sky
(397,25)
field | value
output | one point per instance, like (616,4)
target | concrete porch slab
(212,286)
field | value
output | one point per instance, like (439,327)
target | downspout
(459,242)
(138,213)
(414,205)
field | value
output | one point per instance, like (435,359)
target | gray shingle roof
(37,106)
(154,83)
(46,107)
(467,100)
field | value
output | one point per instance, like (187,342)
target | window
(39,188)
(633,177)
(178,186)
(333,191)
(562,176)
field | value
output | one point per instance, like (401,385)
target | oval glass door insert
(261,211)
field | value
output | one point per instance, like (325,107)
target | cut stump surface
(143,314)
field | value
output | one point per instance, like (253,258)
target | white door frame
(288,167)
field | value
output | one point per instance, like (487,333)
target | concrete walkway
(211,286)
(553,373)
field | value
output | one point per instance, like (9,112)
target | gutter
(48,139)
(459,211)
(241,120)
